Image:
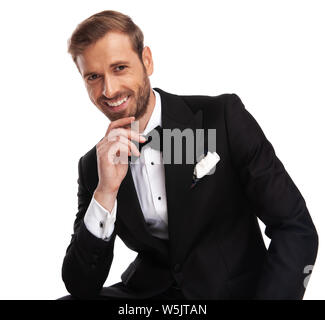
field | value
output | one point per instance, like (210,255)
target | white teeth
(115,104)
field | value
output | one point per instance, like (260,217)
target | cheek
(132,79)
(92,93)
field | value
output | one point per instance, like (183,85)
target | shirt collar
(155,118)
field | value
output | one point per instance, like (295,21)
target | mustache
(117,97)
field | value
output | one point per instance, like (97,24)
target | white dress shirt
(149,180)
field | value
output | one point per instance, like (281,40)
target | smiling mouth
(117,103)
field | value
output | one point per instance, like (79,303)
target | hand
(112,155)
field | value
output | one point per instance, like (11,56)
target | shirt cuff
(99,221)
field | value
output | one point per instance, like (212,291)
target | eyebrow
(111,66)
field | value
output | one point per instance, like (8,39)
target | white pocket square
(205,165)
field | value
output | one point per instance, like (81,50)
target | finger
(128,133)
(132,147)
(119,123)
(118,153)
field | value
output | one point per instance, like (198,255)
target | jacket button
(177,267)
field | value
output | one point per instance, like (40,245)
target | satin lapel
(178,177)
(129,209)
(129,213)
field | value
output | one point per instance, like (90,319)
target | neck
(143,121)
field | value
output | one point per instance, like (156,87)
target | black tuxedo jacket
(215,248)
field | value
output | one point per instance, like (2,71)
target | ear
(147,60)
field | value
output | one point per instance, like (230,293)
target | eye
(92,77)
(120,68)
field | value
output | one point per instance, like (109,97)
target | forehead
(114,46)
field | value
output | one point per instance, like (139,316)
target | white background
(271,53)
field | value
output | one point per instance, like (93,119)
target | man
(196,239)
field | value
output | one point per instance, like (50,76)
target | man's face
(116,80)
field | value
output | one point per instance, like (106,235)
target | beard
(141,102)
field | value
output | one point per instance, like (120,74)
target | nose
(110,88)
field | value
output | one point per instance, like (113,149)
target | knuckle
(112,138)
(111,133)
(117,130)
(122,131)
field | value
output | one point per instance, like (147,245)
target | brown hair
(96,26)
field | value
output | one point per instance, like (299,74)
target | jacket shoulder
(206,103)
(89,156)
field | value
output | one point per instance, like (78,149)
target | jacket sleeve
(88,259)
(276,201)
